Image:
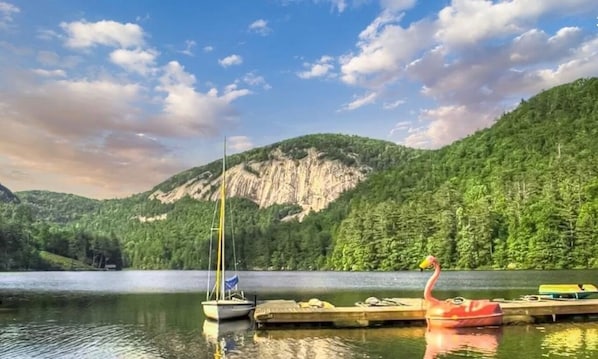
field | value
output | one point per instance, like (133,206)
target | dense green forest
(520,194)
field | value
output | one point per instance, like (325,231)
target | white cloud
(7,10)
(447,123)
(189,45)
(260,27)
(469,21)
(187,112)
(231,60)
(400,126)
(367,99)
(339,5)
(253,79)
(385,47)
(393,105)
(320,68)
(114,134)
(137,60)
(91,144)
(48,35)
(83,34)
(240,143)
(48,58)
(49,73)
(208,49)
(397,5)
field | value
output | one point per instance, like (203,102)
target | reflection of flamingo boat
(458,312)
(441,341)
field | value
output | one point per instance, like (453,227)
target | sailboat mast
(221,234)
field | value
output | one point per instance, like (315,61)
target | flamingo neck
(430,285)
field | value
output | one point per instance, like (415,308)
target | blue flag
(231,282)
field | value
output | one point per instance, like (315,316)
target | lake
(157,314)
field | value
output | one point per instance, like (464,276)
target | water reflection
(482,341)
(571,340)
(303,344)
(48,340)
(379,343)
(226,337)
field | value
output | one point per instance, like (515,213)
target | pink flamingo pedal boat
(457,312)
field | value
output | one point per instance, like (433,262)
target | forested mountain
(173,233)
(57,207)
(521,194)
(309,172)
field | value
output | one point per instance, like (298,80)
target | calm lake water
(157,314)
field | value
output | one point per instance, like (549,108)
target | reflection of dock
(411,311)
(329,343)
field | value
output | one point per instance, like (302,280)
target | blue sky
(108,98)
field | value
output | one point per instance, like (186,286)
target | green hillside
(521,194)
(57,262)
(57,207)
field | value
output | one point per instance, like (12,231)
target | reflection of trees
(571,340)
(137,325)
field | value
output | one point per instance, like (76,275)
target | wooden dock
(411,311)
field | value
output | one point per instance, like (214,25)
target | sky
(107,98)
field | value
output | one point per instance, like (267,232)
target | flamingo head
(430,261)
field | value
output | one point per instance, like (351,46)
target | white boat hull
(227,309)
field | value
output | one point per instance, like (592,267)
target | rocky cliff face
(310,182)
(7,196)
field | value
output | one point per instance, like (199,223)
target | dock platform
(411,311)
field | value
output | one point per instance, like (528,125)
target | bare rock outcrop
(311,182)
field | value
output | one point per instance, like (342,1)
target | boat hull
(464,313)
(227,309)
(465,322)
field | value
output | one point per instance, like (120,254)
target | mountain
(309,171)
(58,207)
(6,196)
(520,194)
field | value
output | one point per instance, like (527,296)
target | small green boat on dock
(576,291)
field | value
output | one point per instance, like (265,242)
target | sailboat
(224,300)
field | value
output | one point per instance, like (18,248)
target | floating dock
(411,311)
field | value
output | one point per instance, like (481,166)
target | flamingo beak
(425,264)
